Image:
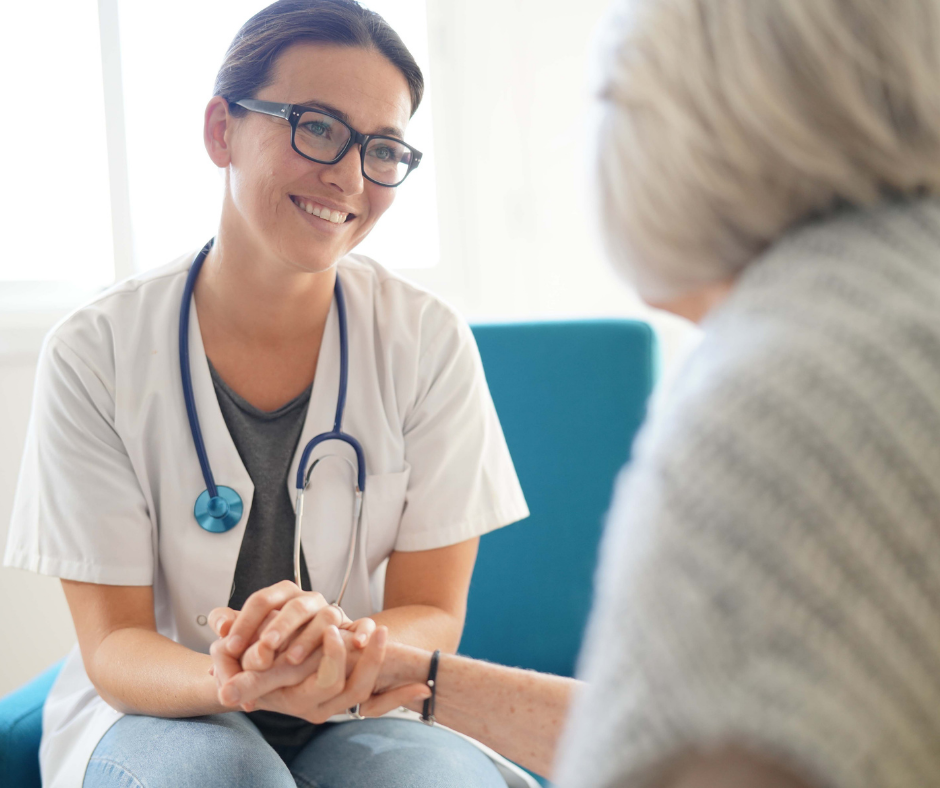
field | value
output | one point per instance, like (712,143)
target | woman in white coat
(111,472)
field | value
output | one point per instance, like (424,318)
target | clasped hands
(290,651)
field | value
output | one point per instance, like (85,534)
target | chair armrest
(21,730)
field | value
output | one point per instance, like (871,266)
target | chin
(317,265)
(308,255)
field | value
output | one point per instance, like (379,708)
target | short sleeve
(462,482)
(79,512)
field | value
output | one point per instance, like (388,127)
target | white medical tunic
(110,474)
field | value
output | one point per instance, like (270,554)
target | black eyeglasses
(324,138)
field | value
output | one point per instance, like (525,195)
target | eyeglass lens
(322,138)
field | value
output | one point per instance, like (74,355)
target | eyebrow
(388,131)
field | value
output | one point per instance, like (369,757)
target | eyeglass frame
(292,114)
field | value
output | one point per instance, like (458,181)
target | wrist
(403,665)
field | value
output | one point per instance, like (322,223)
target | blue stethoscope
(218,508)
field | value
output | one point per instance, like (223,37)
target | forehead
(362,83)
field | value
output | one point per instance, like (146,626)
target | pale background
(510,92)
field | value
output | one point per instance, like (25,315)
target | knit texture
(770,575)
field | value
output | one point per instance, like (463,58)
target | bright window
(55,198)
(170,59)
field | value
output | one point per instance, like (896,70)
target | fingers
(261,654)
(312,635)
(362,631)
(224,665)
(409,695)
(293,616)
(331,673)
(247,686)
(257,607)
(221,619)
(358,687)
(326,682)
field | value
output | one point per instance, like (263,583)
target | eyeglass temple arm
(266,107)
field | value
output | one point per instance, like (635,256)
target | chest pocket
(382,511)
(328,524)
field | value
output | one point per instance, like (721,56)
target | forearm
(138,671)
(519,713)
(422,626)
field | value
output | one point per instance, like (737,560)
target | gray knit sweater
(771,570)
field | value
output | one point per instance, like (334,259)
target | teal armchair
(571,397)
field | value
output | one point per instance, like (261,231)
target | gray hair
(726,122)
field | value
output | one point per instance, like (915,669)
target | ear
(216,131)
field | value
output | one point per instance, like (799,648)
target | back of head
(726,122)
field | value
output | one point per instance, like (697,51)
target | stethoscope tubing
(186,372)
(303,473)
(353,534)
(337,432)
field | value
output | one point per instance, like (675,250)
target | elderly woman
(769,602)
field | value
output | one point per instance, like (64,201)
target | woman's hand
(274,620)
(335,687)
(288,636)
(248,623)
(338,672)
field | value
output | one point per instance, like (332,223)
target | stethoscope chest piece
(219,514)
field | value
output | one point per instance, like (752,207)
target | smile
(321,211)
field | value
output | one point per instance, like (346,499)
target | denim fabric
(393,754)
(228,751)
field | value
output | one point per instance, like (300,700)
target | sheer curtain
(55,205)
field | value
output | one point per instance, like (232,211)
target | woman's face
(269,182)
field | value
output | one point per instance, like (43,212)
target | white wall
(517,237)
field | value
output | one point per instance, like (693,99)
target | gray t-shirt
(266,442)
(771,568)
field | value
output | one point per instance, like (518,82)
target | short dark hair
(250,59)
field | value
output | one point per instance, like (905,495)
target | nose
(346,174)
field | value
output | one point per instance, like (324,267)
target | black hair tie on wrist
(427,715)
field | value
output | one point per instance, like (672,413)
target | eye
(317,128)
(386,153)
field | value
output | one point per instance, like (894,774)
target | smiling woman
(164,105)
(308,126)
(361,83)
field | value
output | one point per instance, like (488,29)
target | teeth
(325,213)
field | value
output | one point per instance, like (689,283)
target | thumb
(410,695)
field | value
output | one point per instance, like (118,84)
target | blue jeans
(228,751)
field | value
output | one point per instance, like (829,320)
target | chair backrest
(570,396)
